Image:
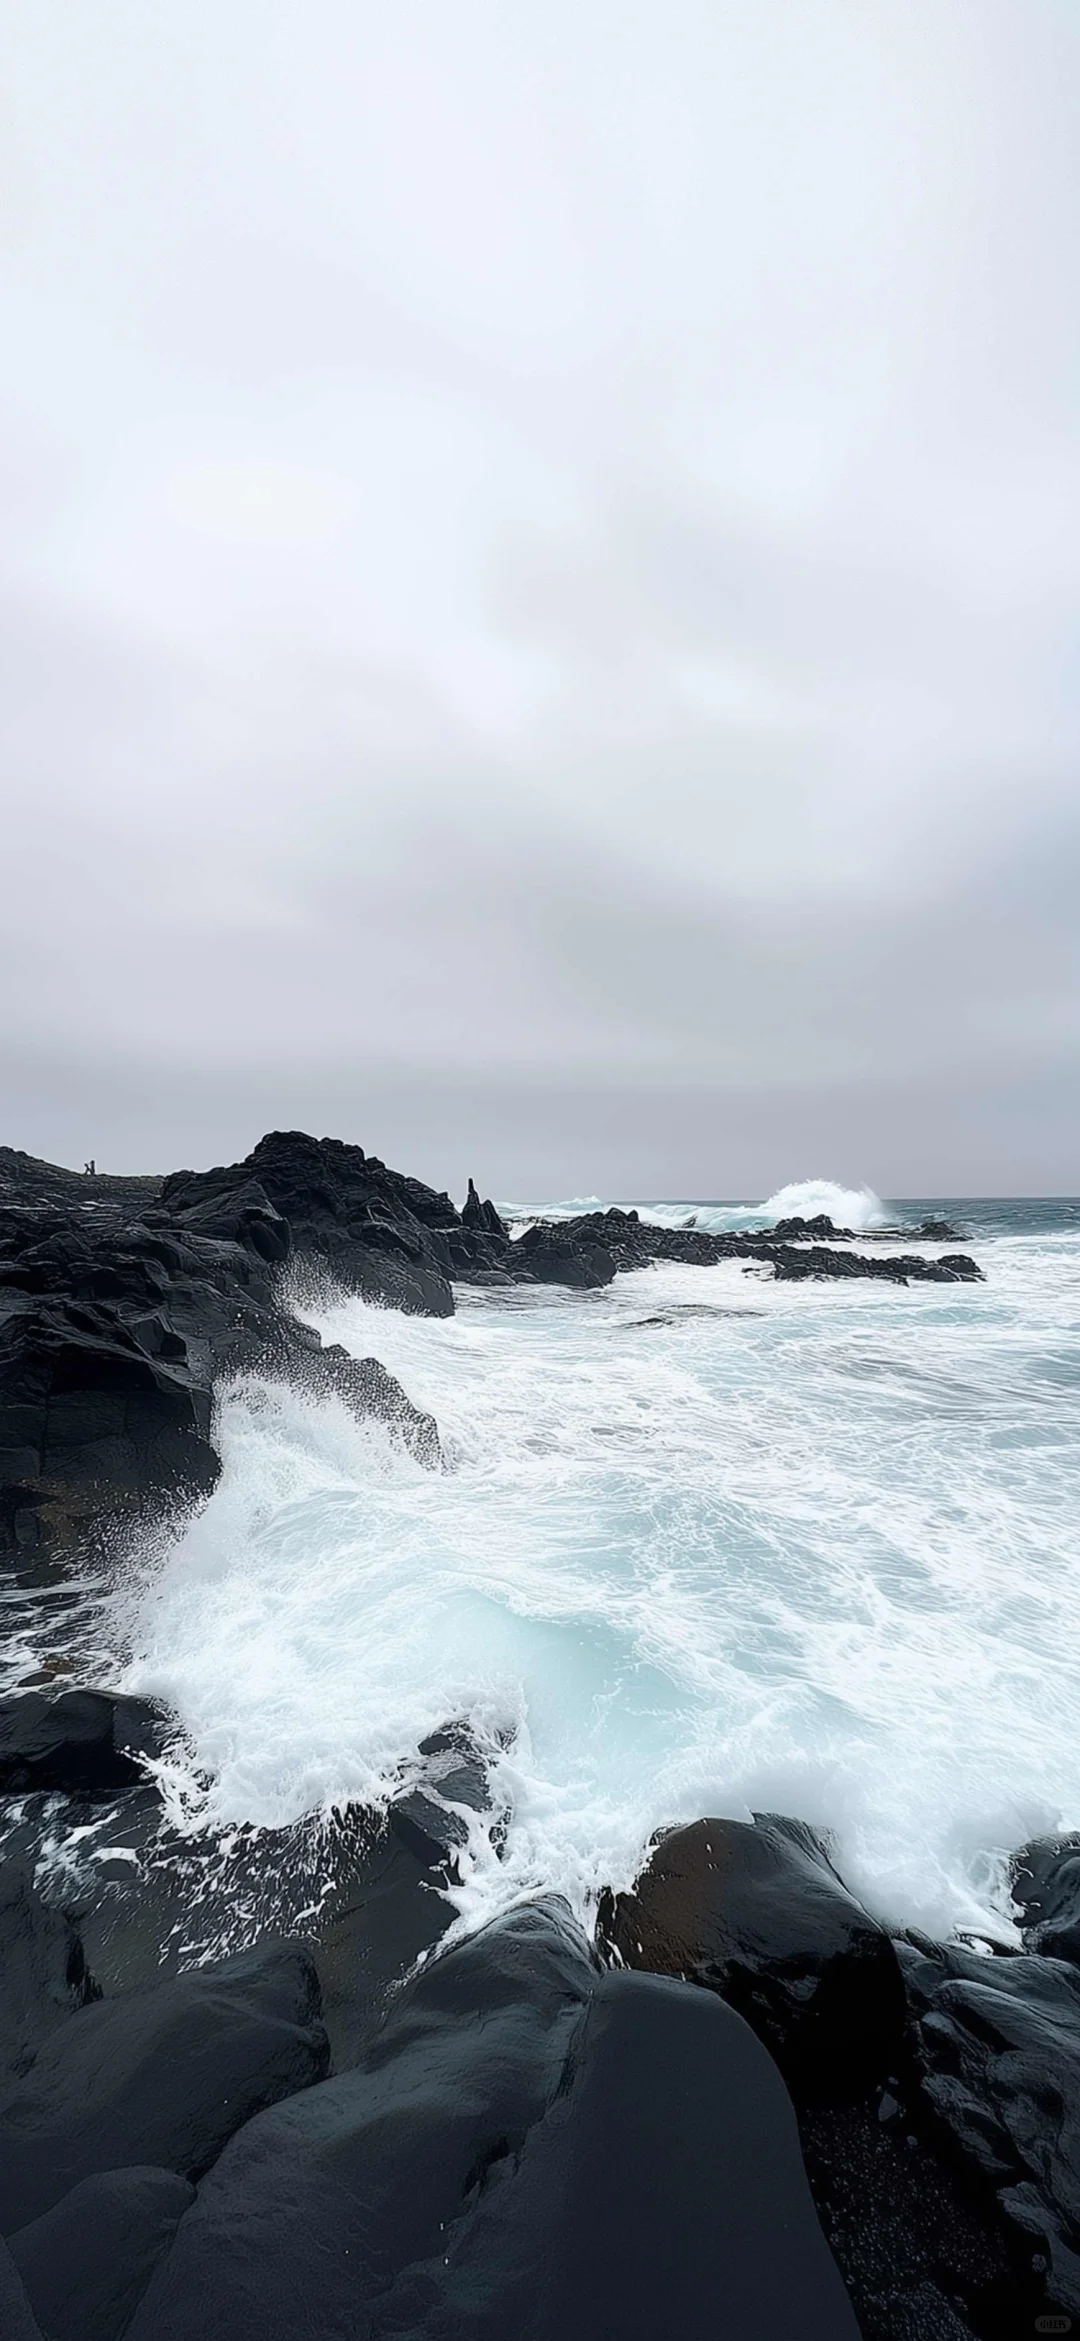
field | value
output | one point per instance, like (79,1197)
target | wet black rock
(81,1743)
(162,2076)
(125,1304)
(114,1336)
(1046,1891)
(43,1973)
(545,1255)
(380,1233)
(631,1243)
(526,2141)
(757,1913)
(85,1406)
(921,2253)
(1000,2043)
(791,1263)
(86,2263)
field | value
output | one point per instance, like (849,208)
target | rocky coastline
(744,2107)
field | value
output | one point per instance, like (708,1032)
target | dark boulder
(544,1255)
(82,1743)
(86,2263)
(1046,1892)
(164,2076)
(794,1262)
(757,1913)
(43,1975)
(1000,2044)
(527,2147)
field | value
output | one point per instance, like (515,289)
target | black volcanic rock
(631,1243)
(161,2076)
(86,2263)
(43,1975)
(1000,2044)
(530,2149)
(805,1231)
(84,1406)
(757,1913)
(114,1333)
(543,1255)
(125,1303)
(81,1743)
(1046,1890)
(380,1233)
(482,1217)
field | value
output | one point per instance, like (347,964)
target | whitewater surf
(705,1543)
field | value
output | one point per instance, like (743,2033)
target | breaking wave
(706,1544)
(855,1207)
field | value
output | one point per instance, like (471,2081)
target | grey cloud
(539,587)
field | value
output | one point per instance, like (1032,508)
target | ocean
(706,1544)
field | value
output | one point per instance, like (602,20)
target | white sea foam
(855,1207)
(815,1551)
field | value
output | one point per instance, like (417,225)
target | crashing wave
(854,1207)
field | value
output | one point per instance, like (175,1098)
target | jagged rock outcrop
(999,2040)
(380,1233)
(482,1216)
(124,1304)
(631,1242)
(115,1332)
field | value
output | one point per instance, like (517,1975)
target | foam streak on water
(707,1543)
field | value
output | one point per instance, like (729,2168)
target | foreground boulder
(162,2076)
(758,1913)
(527,2144)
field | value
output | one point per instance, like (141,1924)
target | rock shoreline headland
(745,2106)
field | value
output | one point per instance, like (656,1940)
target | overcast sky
(539,559)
